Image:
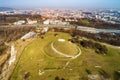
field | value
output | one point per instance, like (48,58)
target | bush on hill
(96,46)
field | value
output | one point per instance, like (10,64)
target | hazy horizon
(64,4)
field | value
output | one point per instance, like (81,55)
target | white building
(29,35)
(45,29)
(31,21)
(55,22)
(19,22)
(47,22)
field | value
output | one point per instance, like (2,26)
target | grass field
(66,47)
(37,57)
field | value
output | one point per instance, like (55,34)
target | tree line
(8,34)
(9,19)
(110,38)
(95,23)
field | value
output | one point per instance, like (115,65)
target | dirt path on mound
(65,55)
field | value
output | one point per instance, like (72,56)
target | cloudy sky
(60,3)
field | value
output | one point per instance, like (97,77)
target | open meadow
(39,61)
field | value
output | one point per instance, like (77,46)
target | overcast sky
(60,3)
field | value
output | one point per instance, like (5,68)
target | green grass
(50,52)
(66,48)
(34,58)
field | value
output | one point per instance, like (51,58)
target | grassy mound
(66,48)
(50,52)
(35,60)
(61,50)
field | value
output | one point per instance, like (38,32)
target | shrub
(99,48)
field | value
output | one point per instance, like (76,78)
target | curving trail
(65,55)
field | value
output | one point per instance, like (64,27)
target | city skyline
(22,4)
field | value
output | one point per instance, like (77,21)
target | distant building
(55,22)
(47,22)
(112,22)
(45,29)
(29,35)
(21,22)
(42,29)
(31,21)
(70,20)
